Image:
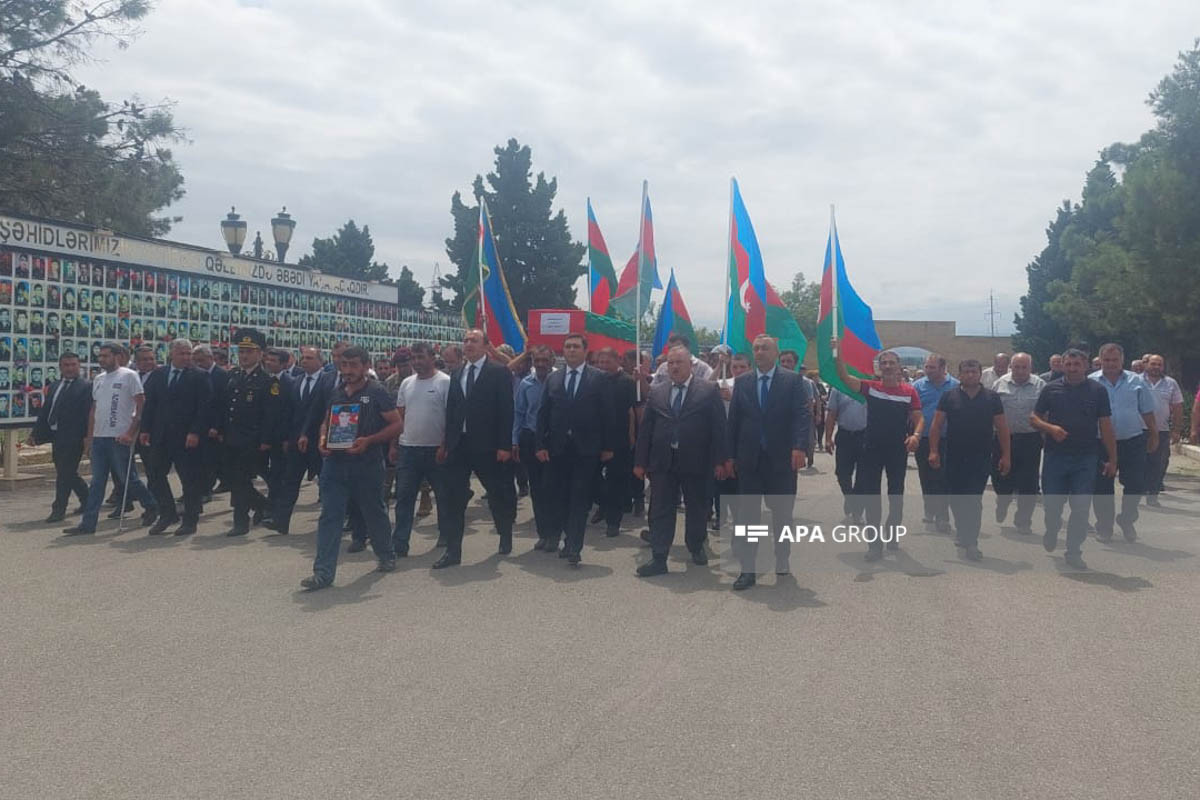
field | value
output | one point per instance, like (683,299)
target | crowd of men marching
(590,433)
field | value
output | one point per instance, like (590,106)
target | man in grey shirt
(850,416)
(1018,390)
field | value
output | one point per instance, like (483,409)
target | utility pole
(992,312)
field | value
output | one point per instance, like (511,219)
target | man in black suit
(211,448)
(63,421)
(681,445)
(174,423)
(615,492)
(301,455)
(574,436)
(769,427)
(479,416)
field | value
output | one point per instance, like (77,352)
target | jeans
(1156,464)
(966,478)
(346,478)
(933,483)
(1068,477)
(1131,466)
(413,465)
(110,456)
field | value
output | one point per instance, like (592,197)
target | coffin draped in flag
(844,314)
(673,318)
(643,275)
(754,307)
(493,311)
(602,277)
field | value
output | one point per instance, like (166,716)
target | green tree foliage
(65,152)
(411,294)
(803,299)
(541,262)
(349,253)
(1122,264)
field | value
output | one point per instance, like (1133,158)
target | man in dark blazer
(63,421)
(275,360)
(303,425)
(769,427)
(575,434)
(174,423)
(211,448)
(681,445)
(479,416)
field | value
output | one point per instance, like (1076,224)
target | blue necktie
(571,384)
(762,418)
(174,375)
(762,391)
(677,403)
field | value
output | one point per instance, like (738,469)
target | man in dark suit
(275,361)
(63,421)
(211,448)
(615,494)
(301,432)
(174,423)
(769,428)
(479,416)
(681,445)
(574,436)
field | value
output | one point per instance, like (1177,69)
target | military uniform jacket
(252,408)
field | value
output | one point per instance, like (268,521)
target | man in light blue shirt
(1137,434)
(934,491)
(850,416)
(526,403)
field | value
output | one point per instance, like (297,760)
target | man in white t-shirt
(421,401)
(116,413)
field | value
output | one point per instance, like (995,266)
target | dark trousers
(1156,464)
(275,474)
(295,466)
(1068,478)
(726,488)
(933,483)
(847,453)
(665,491)
(1022,477)
(967,471)
(66,456)
(570,478)
(1131,467)
(868,482)
(414,465)
(757,483)
(212,455)
(190,468)
(242,463)
(616,486)
(497,481)
(539,492)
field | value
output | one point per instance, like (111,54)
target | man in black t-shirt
(360,422)
(1070,411)
(971,415)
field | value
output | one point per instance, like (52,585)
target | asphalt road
(138,667)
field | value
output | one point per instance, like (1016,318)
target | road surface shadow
(350,594)
(1117,583)
(1140,549)
(785,595)
(898,561)
(549,565)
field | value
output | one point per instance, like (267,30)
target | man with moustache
(1168,417)
(63,421)
(1018,392)
(247,428)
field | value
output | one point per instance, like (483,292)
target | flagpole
(591,289)
(483,217)
(833,276)
(637,315)
(728,263)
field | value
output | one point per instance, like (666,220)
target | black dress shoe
(613,531)
(597,517)
(356,546)
(505,544)
(186,529)
(561,553)
(160,527)
(148,516)
(639,508)
(77,530)
(540,544)
(655,566)
(315,582)
(744,581)
(441,542)
(1075,560)
(116,512)
(700,558)
(258,517)
(270,524)
(783,568)
(220,489)
(238,532)
(447,560)
(401,552)
(645,535)
(386,565)
(55,516)
(573,559)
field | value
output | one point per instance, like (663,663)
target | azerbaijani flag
(754,307)
(673,318)
(602,278)
(494,312)
(858,342)
(626,302)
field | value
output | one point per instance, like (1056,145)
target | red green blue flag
(602,277)
(843,314)
(492,311)
(642,276)
(673,318)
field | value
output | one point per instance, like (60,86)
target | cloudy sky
(945,132)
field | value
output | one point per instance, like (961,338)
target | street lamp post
(282,227)
(233,229)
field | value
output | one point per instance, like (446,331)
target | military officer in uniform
(248,427)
